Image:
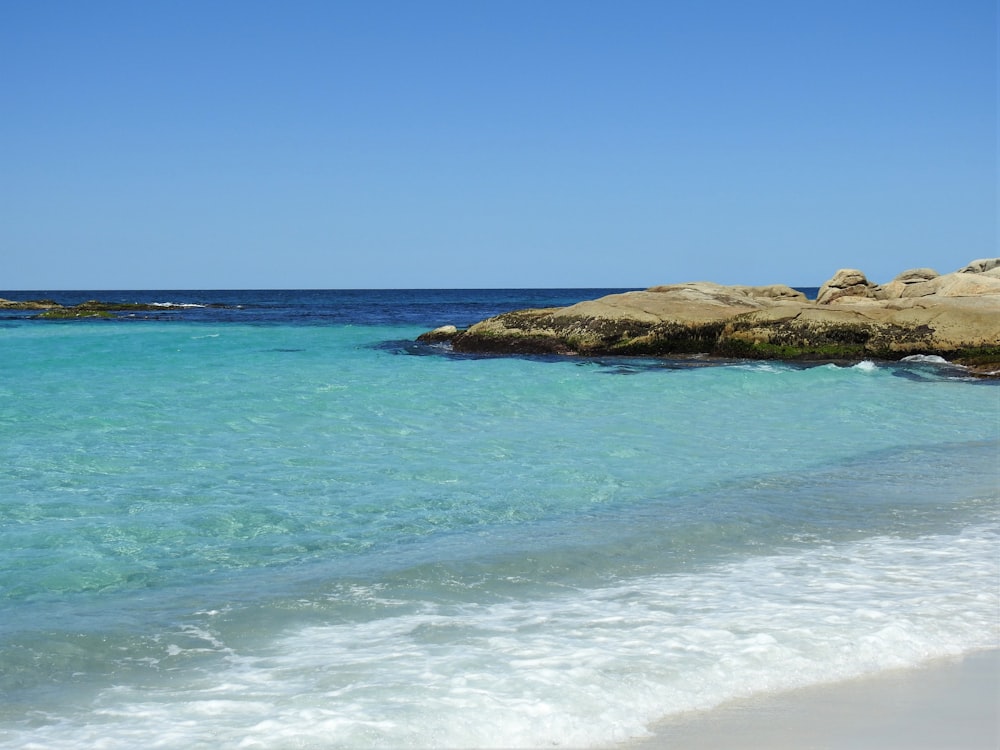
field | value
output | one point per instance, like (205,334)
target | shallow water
(277,522)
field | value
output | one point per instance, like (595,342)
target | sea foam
(585,668)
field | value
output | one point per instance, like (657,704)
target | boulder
(916,275)
(984,279)
(961,284)
(773,291)
(847,282)
(917,282)
(982,265)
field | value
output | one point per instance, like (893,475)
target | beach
(275,520)
(950,703)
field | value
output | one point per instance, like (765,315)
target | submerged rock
(920,312)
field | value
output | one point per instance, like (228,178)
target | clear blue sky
(492,143)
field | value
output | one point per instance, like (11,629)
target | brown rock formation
(920,312)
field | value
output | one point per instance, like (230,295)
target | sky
(493,143)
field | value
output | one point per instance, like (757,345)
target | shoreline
(949,703)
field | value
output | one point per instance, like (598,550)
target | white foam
(929,358)
(587,668)
(866,366)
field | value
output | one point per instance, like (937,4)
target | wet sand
(948,705)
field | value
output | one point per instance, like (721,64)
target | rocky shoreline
(48,309)
(955,316)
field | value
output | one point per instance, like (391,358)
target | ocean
(271,519)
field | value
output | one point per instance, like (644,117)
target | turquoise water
(243,531)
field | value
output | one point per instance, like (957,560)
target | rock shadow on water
(924,369)
(609,365)
(411,348)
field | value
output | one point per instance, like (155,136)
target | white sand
(949,705)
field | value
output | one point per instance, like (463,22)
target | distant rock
(96,309)
(52,310)
(920,312)
(34,304)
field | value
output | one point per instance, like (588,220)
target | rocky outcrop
(955,315)
(33,304)
(52,310)
(97,309)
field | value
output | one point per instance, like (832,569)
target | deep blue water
(421,307)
